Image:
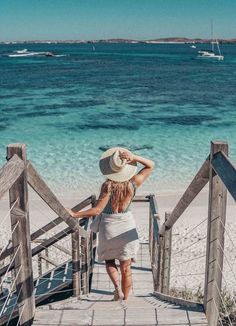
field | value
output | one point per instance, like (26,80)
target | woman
(118,238)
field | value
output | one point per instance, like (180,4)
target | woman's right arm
(97,209)
(140,177)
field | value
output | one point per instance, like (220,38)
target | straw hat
(114,168)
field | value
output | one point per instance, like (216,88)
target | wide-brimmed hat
(114,168)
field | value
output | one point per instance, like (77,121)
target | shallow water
(157,100)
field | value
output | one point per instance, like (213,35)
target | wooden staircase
(97,308)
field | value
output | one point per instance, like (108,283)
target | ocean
(157,100)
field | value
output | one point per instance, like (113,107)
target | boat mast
(212,41)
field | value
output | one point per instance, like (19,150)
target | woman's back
(124,206)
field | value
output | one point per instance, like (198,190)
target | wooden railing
(221,174)
(15,175)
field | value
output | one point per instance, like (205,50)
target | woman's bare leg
(126,277)
(112,271)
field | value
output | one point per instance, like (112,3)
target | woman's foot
(118,294)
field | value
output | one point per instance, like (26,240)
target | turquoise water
(157,100)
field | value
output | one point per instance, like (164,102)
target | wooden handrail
(49,260)
(42,189)
(59,220)
(9,250)
(141,199)
(197,184)
(226,171)
(45,244)
(9,173)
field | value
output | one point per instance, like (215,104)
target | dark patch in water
(130,147)
(96,126)
(16,109)
(39,114)
(3,127)
(184,120)
(220,124)
(3,120)
(113,115)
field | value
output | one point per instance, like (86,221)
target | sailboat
(206,54)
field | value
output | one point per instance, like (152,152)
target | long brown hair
(119,191)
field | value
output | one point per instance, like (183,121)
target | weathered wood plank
(226,171)
(48,260)
(197,184)
(38,184)
(178,301)
(140,198)
(10,172)
(155,241)
(215,239)
(21,239)
(166,258)
(50,226)
(59,220)
(76,263)
(41,247)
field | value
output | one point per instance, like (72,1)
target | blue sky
(101,19)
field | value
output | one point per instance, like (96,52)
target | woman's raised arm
(143,173)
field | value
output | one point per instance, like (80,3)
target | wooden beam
(49,242)
(226,171)
(59,220)
(198,183)
(215,240)
(21,239)
(39,185)
(178,301)
(49,260)
(10,172)
(141,199)
(50,226)
(166,258)
(41,247)
(76,263)
(154,245)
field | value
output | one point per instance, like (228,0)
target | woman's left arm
(96,210)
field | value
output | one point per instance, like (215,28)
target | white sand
(184,261)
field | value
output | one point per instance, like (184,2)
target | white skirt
(117,237)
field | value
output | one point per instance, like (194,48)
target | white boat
(21,51)
(26,53)
(207,54)
(193,46)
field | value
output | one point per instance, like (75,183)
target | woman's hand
(71,212)
(127,155)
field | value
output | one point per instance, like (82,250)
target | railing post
(166,261)
(93,244)
(155,244)
(215,239)
(40,270)
(1,265)
(159,253)
(21,240)
(76,263)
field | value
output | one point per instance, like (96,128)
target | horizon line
(117,38)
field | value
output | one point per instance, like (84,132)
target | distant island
(180,40)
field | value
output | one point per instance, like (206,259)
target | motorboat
(26,53)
